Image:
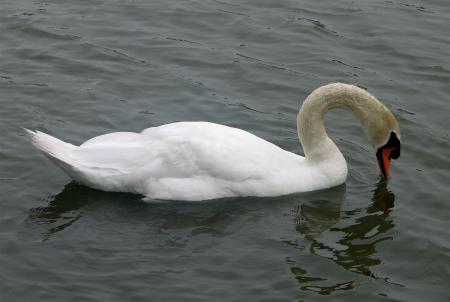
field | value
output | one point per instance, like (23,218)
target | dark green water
(77,69)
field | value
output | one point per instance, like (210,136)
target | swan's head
(383,132)
(379,124)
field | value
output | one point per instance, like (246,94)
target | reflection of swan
(199,160)
(382,199)
(351,246)
(76,202)
(65,208)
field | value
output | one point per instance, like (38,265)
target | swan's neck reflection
(350,241)
(382,198)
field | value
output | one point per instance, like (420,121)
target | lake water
(77,69)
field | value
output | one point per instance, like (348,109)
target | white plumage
(198,161)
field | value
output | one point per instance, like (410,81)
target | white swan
(201,160)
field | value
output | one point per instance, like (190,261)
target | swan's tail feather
(56,150)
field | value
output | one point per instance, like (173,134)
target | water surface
(77,69)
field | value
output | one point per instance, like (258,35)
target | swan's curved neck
(310,122)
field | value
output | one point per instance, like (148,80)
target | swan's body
(201,160)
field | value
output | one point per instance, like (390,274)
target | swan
(195,161)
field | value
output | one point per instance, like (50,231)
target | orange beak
(384,156)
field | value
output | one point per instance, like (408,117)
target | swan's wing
(183,160)
(200,161)
(184,150)
(190,149)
